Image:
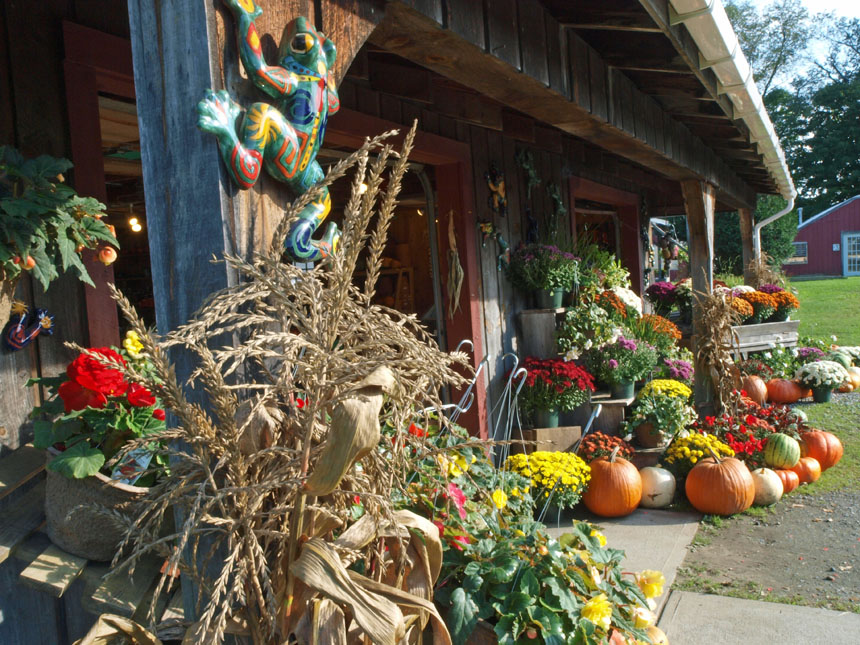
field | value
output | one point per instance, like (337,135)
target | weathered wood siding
(495,135)
(821,235)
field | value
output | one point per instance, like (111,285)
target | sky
(847,8)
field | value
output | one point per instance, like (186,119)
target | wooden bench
(764,337)
(50,570)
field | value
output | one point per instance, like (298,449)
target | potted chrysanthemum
(544,270)
(621,363)
(553,385)
(822,377)
(91,414)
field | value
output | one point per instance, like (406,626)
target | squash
(847,386)
(789,480)
(781,451)
(615,488)
(658,487)
(755,388)
(720,486)
(805,392)
(657,635)
(780,390)
(824,447)
(799,415)
(808,470)
(854,376)
(768,487)
(840,357)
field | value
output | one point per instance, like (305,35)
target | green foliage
(776,237)
(42,218)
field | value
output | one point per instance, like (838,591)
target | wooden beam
(699,200)
(746,218)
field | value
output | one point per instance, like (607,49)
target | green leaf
(529,583)
(44,271)
(472,569)
(43,434)
(567,600)
(462,617)
(472,583)
(584,633)
(506,627)
(518,602)
(78,462)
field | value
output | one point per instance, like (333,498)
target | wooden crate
(550,439)
(764,336)
(537,332)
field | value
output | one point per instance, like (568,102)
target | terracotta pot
(72,522)
(648,436)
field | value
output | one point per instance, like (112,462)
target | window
(800,254)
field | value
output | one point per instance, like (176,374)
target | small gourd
(768,487)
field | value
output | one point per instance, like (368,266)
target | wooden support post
(699,198)
(746,219)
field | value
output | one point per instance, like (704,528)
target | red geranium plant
(555,384)
(92,411)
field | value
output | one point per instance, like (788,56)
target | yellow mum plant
(561,475)
(685,452)
(667,386)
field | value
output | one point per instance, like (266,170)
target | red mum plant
(598,444)
(92,411)
(555,384)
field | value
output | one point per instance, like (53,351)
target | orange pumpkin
(780,390)
(755,388)
(615,488)
(808,470)
(824,447)
(805,392)
(789,479)
(847,386)
(720,486)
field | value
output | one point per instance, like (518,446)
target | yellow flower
(651,583)
(462,464)
(500,499)
(600,537)
(598,610)
(519,533)
(642,618)
(132,343)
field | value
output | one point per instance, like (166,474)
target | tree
(776,237)
(775,40)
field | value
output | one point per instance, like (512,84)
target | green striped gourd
(781,451)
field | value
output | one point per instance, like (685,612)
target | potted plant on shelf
(44,224)
(662,296)
(786,303)
(553,385)
(822,377)
(684,300)
(763,305)
(621,363)
(91,416)
(661,412)
(544,270)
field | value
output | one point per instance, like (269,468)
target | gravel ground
(804,550)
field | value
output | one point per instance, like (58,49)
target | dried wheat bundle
(763,270)
(715,341)
(293,370)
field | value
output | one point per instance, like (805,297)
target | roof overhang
(685,54)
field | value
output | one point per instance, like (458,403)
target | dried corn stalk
(714,341)
(262,485)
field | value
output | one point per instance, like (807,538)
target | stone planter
(74,525)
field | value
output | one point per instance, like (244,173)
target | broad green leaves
(78,462)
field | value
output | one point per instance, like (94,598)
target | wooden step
(21,518)
(53,571)
(123,594)
(19,467)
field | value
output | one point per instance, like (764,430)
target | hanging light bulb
(133,222)
(137,228)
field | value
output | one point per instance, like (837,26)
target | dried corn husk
(258,426)
(319,567)
(110,629)
(324,624)
(353,432)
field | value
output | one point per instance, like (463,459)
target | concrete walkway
(693,619)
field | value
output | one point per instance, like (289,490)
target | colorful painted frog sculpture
(283,138)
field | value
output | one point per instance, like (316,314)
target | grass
(820,300)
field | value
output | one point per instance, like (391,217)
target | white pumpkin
(658,487)
(854,376)
(768,487)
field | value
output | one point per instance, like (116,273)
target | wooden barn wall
(495,135)
(33,118)
(820,237)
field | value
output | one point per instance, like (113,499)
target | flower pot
(74,525)
(622,390)
(822,394)
(550,299)
(648,436)
(546,418)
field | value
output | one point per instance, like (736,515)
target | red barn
(828,243)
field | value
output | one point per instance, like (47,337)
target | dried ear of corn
(353,432)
